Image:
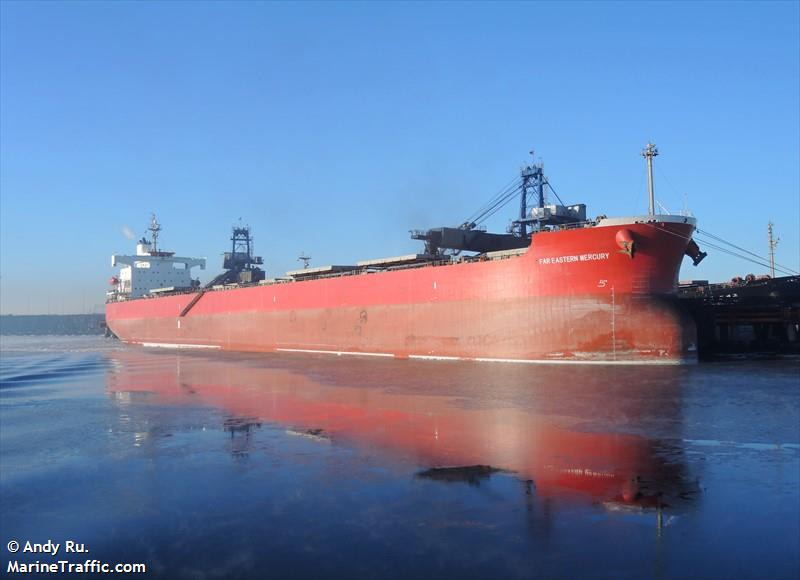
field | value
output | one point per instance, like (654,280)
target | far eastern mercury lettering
(574,258)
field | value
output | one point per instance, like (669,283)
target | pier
(745,315)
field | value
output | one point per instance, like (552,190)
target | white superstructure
(150,269)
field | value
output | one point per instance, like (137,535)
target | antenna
(648,153)
(773,241)
(305,259)
(154,228)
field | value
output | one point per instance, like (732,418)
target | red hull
(573,296)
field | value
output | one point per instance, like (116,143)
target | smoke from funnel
(128,233)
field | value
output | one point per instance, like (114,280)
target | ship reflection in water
(560,433)
(229,465)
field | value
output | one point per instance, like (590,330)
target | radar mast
(154,229)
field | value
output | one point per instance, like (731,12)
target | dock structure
(746,314)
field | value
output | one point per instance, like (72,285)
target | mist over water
(249,465)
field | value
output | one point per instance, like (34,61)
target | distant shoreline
(64,324)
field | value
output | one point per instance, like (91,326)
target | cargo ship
(557,287)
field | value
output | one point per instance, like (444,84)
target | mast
(648,153)
(773,241)
(154,228)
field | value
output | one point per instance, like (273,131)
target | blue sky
(335,128)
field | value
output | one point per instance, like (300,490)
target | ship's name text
(574,258)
